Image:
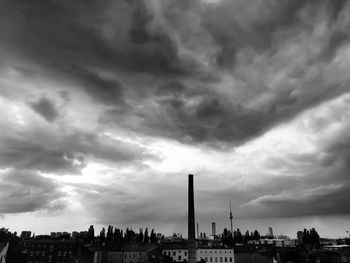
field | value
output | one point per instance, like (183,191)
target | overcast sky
(106,106)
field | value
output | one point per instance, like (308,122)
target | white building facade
(209,255)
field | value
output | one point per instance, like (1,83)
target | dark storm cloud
(202,114)
(324,200)
(322,184)
(210,119)
(106,91)
(104,148)
(25,154)
(107,47)
(113,204)
(233,31)
(60,35)
(67,154)
(24,191)
(45,108)
(237,25)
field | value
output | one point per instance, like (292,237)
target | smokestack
(191,222)
(213,229)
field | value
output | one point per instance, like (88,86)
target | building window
(174,253)
(186,253)
(230,259)
(179,258)
(206,259)
(211,259)
(220,259)
(216,259)
(225,259)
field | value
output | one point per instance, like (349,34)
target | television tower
(231,217)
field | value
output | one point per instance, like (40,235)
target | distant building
(330,254)
(50,251)
(273,242)
(26,234)
(53,234)
(66,234)
(270,231)
(213,229)
(284,237)
(75,234)
(328,242)
(3,252)
(83,234)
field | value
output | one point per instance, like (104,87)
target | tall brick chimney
(191,222)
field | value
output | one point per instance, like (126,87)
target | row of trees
(117,237)
(310,236)
(229,240)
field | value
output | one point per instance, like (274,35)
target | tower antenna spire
(231,217)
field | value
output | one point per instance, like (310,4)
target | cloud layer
(252,96)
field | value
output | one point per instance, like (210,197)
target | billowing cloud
(68,154)
(23,191)
(45,108)
(131,95)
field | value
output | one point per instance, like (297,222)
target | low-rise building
(179,253)
(331,254)
(273,242)
(26,234)
(114,256)
(138,253)
(50,251)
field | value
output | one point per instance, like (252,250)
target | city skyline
(106,107)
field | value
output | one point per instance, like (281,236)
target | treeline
(238,238)
(115,237)
(310,236)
